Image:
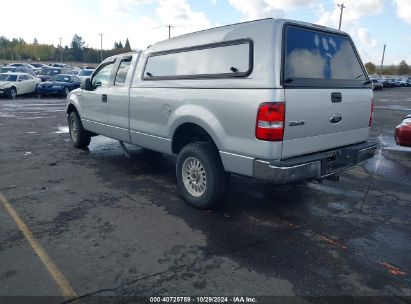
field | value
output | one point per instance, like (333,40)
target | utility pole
(382,60)
(169,30)
(342,7)
(61,51)
(101,46)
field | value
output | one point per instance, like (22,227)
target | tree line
(402,69)
(18,49)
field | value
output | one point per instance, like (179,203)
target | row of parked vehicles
(40,79)
(380,83)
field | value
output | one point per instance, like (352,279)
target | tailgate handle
(104,98)
(336,97)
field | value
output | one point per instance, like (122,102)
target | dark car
(46,73)
(403,132)
(39,65)
(13,69)
(58,85)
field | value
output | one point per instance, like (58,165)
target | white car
(13,84)
(85,73)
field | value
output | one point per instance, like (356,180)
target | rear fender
(200,116)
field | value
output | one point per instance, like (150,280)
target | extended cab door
(327,92)
(119,98)
(95,102)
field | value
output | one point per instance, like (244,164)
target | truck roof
(224,33)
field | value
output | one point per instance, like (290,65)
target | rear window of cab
(319,58)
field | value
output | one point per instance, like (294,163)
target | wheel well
(189,133)
(71,108)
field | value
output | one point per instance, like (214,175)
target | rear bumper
(313,166)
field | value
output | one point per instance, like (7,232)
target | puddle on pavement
(393,107)
(32,118)
(335,191)
(382,166)
(101,145)
(388,143)
(5,115)
(62,130)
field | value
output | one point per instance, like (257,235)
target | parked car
(23,65)
(403,132)
(58,85)
(13,69)
(402,82)
(85,73)
(59,65)
(14,84)
(74,71)
(46,73)
(376,84)
(228,100)
(39,65)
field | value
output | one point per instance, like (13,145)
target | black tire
(216,179)
(80,137)
(12,93)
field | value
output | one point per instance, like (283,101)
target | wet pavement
(118,227)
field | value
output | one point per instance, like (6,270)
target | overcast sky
(372,23)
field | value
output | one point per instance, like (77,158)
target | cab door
(95,102)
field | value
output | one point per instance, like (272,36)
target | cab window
(102,77)
(122,72)
(23,78)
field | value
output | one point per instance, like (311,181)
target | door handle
(104,98)
(336,97)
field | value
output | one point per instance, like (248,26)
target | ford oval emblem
(336,118)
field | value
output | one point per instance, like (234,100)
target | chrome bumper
(313,166)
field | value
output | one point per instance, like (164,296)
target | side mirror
(86,84)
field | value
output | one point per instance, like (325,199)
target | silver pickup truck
(278,100)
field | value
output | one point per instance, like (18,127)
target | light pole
(342,7)
(382,59)
(61,51)
(101,47)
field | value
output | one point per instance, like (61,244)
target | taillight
(270,121)
(372,112)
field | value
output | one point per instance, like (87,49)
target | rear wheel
(201,178)
(80,137)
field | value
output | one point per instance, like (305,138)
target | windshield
(86,73)
(61,78)
(5,70)
(50,72)
(6,77)
(312,54)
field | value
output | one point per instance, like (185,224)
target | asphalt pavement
(118,227)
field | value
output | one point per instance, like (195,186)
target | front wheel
(201,178)
(13,93)
(80,137)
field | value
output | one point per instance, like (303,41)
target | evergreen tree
(127,46)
